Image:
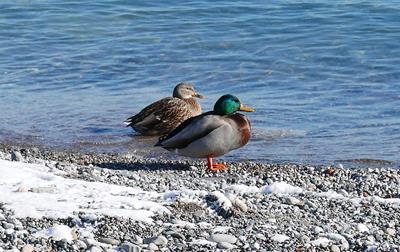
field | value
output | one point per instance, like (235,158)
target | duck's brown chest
(243,127)
(195,107)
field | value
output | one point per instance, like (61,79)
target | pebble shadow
(145,167)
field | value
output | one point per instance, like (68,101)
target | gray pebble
(129,247)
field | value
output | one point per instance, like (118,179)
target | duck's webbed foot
(217,167)
(214,167)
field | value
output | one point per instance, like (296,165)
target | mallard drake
(211,134)
(162,116)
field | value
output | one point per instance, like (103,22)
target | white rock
(280,238)
(27,248)
(221,229)
(240,204)
(256,245)
(345,246)
(335,248)
(90,241)
(153,246)
(261,236)
(321,242)
(9,231)
(294,201)
(225,245)
(223,238)
(318,230)
(336,237)
(391,231)
(95,249)
(362,228)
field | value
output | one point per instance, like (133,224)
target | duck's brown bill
(245,109)
(198,96)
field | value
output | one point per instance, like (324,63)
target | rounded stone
(27,248)
(95,249)
(129,247)
(391,231)
(153,246)
(225,245)
(362,228)
(157,240)
(223,238)
(335,248)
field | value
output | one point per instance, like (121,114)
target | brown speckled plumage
(163,116)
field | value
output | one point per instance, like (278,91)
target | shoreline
(251,206)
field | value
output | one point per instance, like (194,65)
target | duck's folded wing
(192,129)
(161,111)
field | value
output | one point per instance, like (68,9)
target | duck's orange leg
(214,167)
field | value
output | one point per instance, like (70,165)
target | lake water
(324,77)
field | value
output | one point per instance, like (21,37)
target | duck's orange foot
(216,167)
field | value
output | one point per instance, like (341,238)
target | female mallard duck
(211,134)
(161,117)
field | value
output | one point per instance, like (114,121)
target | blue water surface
(323,76)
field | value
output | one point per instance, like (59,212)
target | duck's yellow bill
(245,109)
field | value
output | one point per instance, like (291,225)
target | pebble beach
(119,202)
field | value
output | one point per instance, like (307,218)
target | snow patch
(281,188)
(330,195)
(71,195)
(57,232)
(223,201)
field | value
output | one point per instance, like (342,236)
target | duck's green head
(229,104)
